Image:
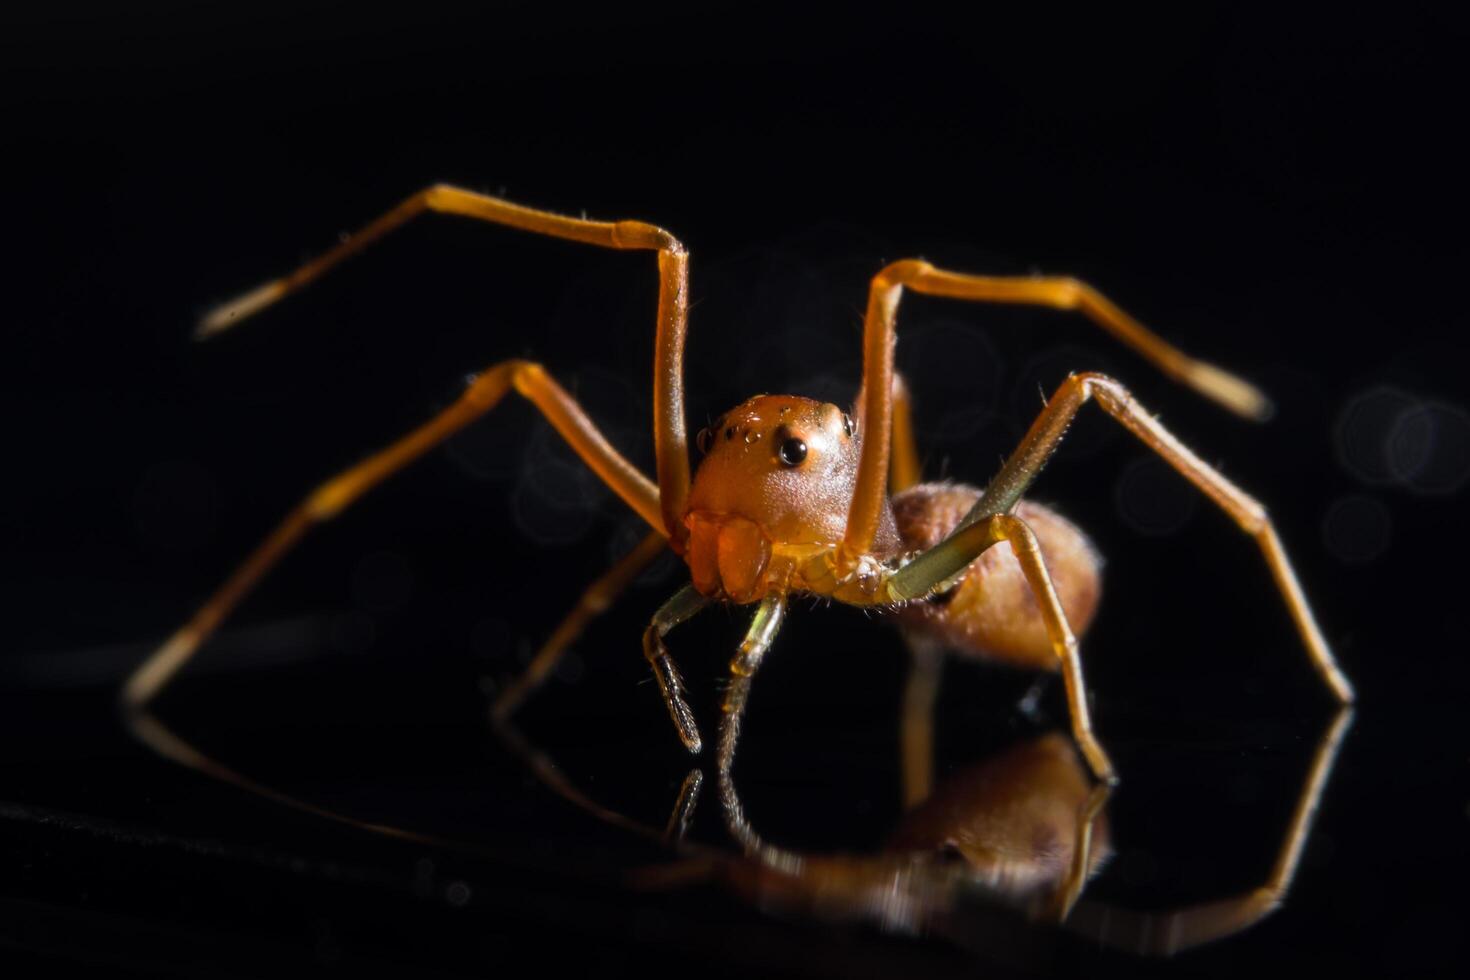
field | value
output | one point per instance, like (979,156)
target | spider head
(777,471)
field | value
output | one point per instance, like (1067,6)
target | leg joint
(435,194)
(901,273)
(1017,532)
(1109,392)
(1068,293)
(639,234)
(332,497)
(525,375)
(653,644)
(595,602)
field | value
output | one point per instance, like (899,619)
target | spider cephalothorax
(771,493)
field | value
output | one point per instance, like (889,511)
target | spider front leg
(335,495)
(763,629)
(684,604)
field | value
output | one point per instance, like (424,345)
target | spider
(796,496)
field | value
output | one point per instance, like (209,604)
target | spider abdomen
(992,612)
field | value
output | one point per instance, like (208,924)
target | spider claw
(688,729)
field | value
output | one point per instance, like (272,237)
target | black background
(1280,193)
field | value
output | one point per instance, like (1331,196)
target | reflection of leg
(542,766)
(763,629)
(1162,934)
(916,731)
(1305,813)
(1081,867)
(683,812)
(685,603)
(934,567)
(334,496)
(594,602)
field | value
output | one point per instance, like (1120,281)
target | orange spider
(797,496)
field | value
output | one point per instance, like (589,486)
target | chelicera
(795,496)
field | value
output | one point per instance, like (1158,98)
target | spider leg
(684,604)
(332,497)
(763,629)
(916,726)
(1028,459)
(1060,293)
(600,595)
(1163,934)
(939,564)
(926,658)
(670,439)
(979,529)
(904,469)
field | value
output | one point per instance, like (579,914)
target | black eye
(703,440)
(791,452)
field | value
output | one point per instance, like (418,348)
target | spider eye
(791,452)
(703,440)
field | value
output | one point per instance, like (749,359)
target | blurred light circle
(1039,379)
(1364,429)
(950,361)
(488,449)
(1428,448)
(546,518)
(958,426)
(1357,529)
(1153,499)
(625,537)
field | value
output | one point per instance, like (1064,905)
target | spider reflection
(1022,830)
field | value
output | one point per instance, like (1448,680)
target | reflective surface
(569,836)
